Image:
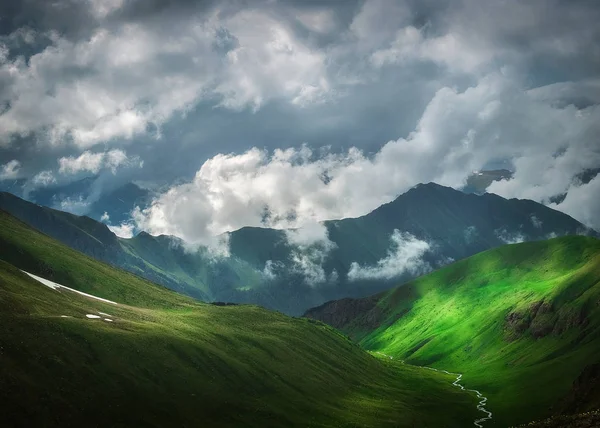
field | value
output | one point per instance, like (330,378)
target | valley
(506,336)
(299,214)
(165,359)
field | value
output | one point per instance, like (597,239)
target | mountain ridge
(266,268)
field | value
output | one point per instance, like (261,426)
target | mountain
(146,356)
(115,203)
(54,194)
(291,270)
(520,322)
(119,203)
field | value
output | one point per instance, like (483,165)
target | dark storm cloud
(176,83)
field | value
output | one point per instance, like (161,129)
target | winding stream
(482,398)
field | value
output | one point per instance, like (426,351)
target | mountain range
(292,270)
(504,337)
(113,204)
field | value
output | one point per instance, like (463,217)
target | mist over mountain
(291,270)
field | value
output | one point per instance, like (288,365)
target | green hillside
(454,225)
(521,322)
(167,360)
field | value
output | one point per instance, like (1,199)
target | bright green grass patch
(457,319)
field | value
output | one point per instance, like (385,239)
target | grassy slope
(455,319)
(185,363)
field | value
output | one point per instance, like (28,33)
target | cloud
(94,162)
(537,223)
(388,86)
(311,245)
(10,170)
(311,233)
(458,132)
(102,8)
(470,234)
(76,205)
(271,269)
(451,50)
(309,264)
(43,179)
(124,230)
(116,82)
(582,203)
(405,255)
(508,237)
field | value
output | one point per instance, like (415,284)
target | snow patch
(57,287)
(92,316)
(108,319)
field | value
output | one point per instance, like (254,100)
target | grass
(167,360)
(458,319)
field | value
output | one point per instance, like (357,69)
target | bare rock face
(542,319)
(339,313)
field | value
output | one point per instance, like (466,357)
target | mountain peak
(430,186)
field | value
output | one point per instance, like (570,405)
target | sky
(285,113)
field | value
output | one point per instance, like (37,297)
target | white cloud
(377,22)
(102,8)
(453,50)
(270,271)
(510,238)
(105,217)
(311,233)
(268,61)
(43,178)
(583,203)
(309,263)
(74,205)
(10,170)
(537,223)
(405,255)
(124,230)
(116,82)
(94,162)
(565,93)
(311,245)
(458,132)
(320,21)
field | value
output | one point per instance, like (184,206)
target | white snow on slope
(92,316)
(55,286)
